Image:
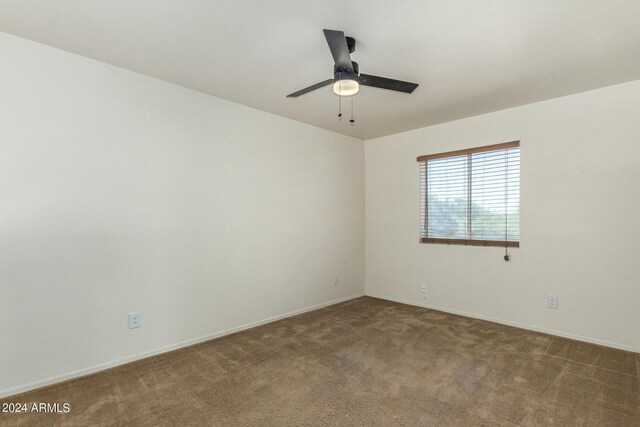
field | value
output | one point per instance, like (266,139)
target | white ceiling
(470,57)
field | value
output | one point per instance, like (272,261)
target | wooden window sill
(465,242)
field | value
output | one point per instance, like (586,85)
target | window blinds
(471,196)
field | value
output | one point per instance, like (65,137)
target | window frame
(465,242)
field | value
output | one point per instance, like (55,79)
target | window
(471,197)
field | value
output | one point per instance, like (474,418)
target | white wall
(580,203)
(120,192)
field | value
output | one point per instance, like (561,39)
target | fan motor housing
(356,70)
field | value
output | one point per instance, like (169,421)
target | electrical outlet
(552,301)
(134,320)
(336,280)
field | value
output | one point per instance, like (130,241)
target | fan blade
(385,83)
(339,49)
(310,88)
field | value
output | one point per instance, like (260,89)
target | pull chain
(340,98)
(352,121)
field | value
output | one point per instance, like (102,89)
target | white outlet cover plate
(134,320)
(552,301)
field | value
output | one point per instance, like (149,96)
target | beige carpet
(362,362)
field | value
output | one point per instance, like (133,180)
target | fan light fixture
(346,73)
(346,87)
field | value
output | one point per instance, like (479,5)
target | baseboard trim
(117,362)
(510,323)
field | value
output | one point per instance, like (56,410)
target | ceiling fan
(346,77)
